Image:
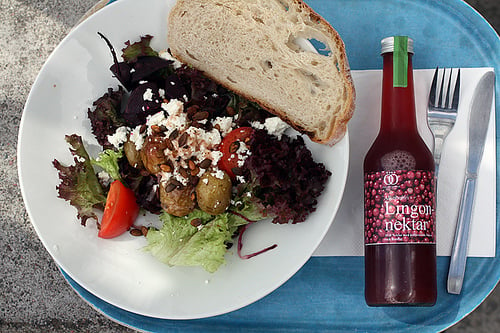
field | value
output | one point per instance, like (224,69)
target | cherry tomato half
(120,212)
(229,146)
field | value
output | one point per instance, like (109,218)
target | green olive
(214,193)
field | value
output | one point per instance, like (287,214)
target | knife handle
(459,252)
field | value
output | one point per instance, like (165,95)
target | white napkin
(345,237)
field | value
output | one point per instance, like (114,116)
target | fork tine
(440,102)
(432,93)
(441,117)
(456,92)
(448,93)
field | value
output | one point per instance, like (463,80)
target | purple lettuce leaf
(79,184)
(106,118)
(283,177)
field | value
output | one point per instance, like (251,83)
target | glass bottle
(400,247)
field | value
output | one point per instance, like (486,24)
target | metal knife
(478,126)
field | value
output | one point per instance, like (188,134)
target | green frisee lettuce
(179,243)
(108,161)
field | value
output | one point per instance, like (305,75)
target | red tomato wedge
(120,212)
(229,146)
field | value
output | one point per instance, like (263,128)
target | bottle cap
(388,44)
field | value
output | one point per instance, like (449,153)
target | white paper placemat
(345,237)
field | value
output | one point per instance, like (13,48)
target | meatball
(152,153)
(177,200)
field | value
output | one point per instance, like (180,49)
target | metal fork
(441,115)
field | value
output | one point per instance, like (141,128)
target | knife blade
(478,127)
(479,119)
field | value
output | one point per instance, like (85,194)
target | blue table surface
(327,293)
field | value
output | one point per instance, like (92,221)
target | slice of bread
(258,49)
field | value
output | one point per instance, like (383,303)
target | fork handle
(459,252)
(438,146)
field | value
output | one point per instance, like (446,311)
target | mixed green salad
(206,161)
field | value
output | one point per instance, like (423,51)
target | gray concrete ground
(34,297)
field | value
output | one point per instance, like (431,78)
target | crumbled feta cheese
(158,119)
(243,152)
(166,176)
(104,178)
(225,124)
(137,138)
(164,106)
(148,95)
(166,55)
(258,125)
(119,137)
(204,139)
(274,126)
(174,106)
(175,119)
(215,156)
(217,173)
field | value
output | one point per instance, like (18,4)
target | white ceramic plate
(119,271)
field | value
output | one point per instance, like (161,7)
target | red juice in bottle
(399,202)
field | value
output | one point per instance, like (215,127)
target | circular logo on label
(391,179)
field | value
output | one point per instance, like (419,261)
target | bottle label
(400,62)
(399,207)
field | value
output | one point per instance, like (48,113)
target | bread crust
(337,127)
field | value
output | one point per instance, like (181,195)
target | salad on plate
(204,162)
